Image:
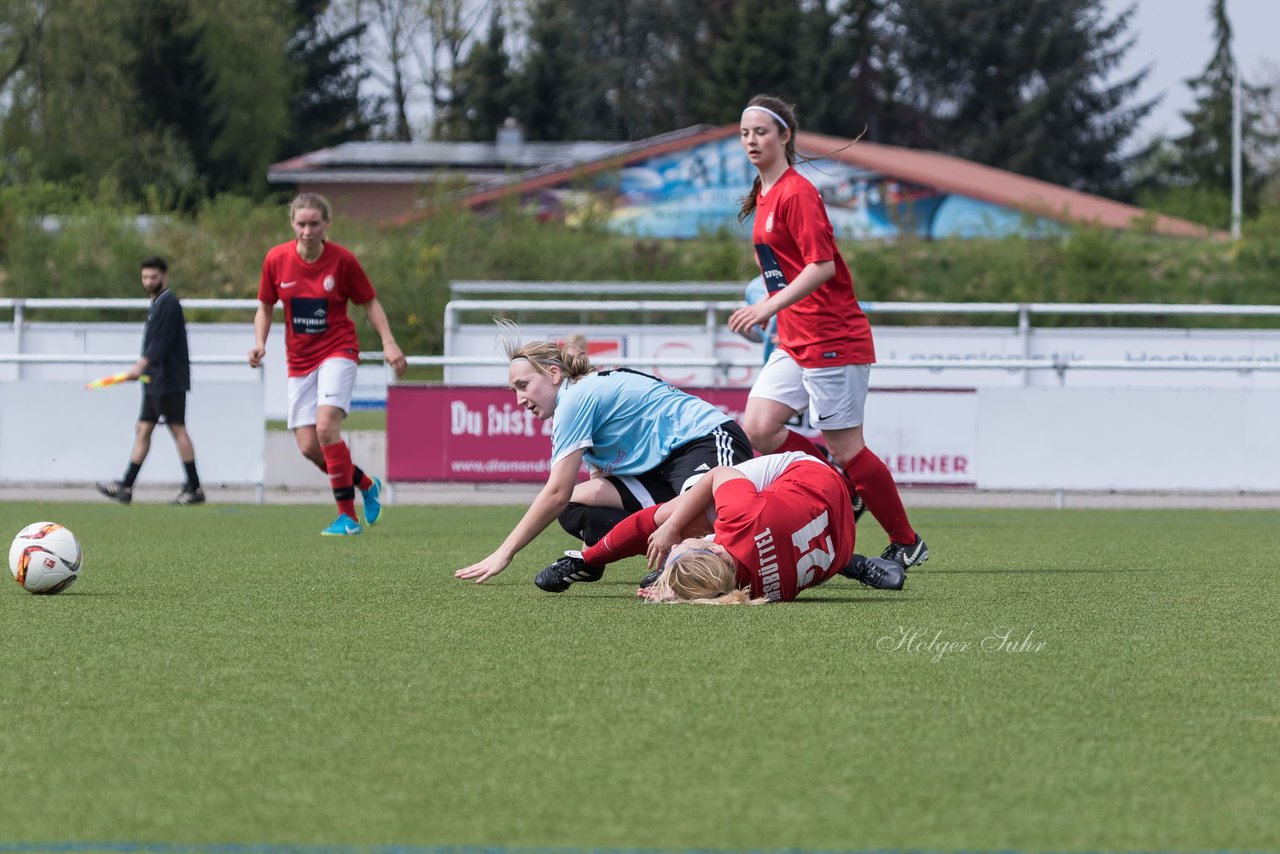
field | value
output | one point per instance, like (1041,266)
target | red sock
(875,484)
(629,538)
(337,462)
(798,442)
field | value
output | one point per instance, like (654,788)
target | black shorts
(164,408)
(726,446)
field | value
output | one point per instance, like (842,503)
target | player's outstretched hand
(485,569)
(656,593)
(255,356)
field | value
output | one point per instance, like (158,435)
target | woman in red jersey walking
(315,279)
(823,361)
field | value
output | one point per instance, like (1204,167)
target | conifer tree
(1022,84)
(1203,154)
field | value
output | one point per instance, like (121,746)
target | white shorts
(331,384)
(836,397)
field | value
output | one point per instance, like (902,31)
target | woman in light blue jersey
(644,442)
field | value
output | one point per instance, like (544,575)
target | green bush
(92,250)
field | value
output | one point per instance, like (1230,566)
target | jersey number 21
(813,542)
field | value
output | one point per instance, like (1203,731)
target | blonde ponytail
(701,577)
(543,355)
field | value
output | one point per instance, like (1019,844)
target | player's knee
(765,438)
(574,519)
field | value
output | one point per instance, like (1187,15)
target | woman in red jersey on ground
(823,361)
(782,524)
(314,279)
(779,524)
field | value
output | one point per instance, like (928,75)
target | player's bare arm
(683,513)
(261,328)
(391,352)
(549,503)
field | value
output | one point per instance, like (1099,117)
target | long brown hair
(788,114)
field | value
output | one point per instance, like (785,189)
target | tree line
(169,102)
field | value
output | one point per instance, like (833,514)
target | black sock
(590,524)
(356,475)
(130,475)
(600,521)
(193,479)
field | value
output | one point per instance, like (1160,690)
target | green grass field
(222,675)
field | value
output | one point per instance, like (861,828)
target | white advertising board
(57,432)
(1129,439)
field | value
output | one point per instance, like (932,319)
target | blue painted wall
(685,193)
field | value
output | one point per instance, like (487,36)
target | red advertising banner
(465,433)
(477,435)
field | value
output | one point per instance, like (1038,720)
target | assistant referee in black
(166,362)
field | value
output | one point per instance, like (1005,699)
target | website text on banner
(479,435)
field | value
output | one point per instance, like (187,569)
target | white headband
(779,118)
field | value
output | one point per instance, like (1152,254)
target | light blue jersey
(629,422)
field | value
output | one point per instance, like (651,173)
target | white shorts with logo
(836,397)
(331,384)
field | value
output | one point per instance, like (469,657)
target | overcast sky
(1175,37)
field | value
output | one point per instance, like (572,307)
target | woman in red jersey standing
(315,279)
(823,361)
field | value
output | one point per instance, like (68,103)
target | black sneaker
(568,569)
(190,496)
(859,507)
(907,556)
(116,491)
(877,572)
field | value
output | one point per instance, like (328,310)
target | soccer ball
(45,558)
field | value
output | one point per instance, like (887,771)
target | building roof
(416,162)
(947,173)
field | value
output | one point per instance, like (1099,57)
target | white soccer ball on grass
(45,558)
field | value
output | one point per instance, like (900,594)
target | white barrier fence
(949,356)
(1064,417)
(64,351)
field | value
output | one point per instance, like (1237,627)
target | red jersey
(791,231)
(793,534)
(315,299)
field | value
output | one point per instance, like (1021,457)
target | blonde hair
(701,577)
(575,341)
(543,355)
(310,202)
